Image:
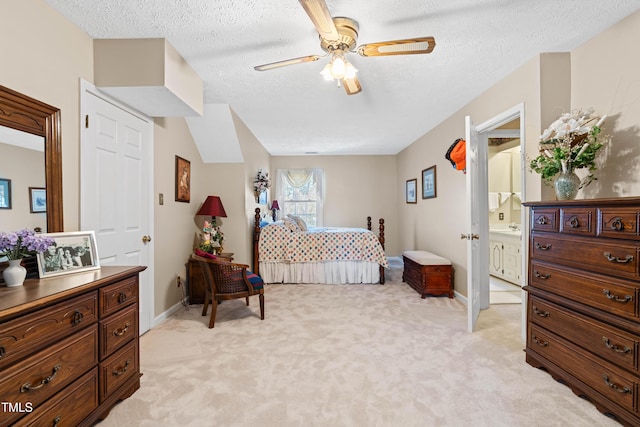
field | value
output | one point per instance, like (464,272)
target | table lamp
(274,208)
(212,206)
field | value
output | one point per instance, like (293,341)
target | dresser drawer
(618,223)
(43,374)
(68,408)
(118,368)
(579,221)
(615,384)
(23,335)
(117,330)
(617,259)
(618,297)
(121,294)
(608,342)
(545,219)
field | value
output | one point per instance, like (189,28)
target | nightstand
(195,281)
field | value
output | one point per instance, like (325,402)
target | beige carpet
(345,355)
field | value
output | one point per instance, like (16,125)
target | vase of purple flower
(17,245)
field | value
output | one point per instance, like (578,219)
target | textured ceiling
(292,110)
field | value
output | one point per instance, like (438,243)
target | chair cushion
(204,254)
(255,280)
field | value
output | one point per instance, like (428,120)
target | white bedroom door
(116,187)
(477,233)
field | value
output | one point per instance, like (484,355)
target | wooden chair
(225,280)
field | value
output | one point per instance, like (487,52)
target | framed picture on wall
(70,253)
(262,198)
(411,195)
(5,193)
(37,199)
(429,183)
(183,180)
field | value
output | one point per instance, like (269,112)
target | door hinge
(469,236)
(86,121)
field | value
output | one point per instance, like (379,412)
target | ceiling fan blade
(319,13)
(352,85)
(415,46)
(271,66)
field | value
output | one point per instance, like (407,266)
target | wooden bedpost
(369,223)
(256,239)
(381,237)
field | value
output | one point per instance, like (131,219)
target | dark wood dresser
(583,314)
(69,347)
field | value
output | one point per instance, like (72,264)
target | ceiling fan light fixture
(339,68)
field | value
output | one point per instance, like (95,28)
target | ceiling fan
(338,37)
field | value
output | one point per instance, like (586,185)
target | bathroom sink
(507,232)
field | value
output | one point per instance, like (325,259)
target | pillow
(291,224)
(204,254)
(301,224)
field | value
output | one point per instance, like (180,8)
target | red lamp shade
(213,207)
(274,205)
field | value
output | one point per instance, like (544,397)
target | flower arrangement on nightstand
(212,238)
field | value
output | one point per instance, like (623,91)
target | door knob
(146,239)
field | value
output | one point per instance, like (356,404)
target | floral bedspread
(278,243)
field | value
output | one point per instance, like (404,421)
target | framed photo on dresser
(70,253)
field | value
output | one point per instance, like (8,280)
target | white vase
(14,274)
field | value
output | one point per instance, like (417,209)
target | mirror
(20,112)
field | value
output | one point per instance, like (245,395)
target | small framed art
(183,180)
(262,197)
(429,183)
(70,253)
(37,199)
(411,195)
(5,193)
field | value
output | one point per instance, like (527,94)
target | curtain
(297,178)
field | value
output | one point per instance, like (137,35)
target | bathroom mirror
(22,113)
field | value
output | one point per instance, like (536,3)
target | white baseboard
(460,297)
(166,314)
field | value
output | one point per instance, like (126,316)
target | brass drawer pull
(539,341)
(574,223)
(77,317)
(617,224)
(614,347)
(3,351)
(540,313)
(122,297)
(56,420)
(121,331)
(123,370)
(543,248)
(28,387)
(616,298)
(541,276)
(543,220)
(616,387)
(612,258)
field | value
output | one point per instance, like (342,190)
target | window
(300,193)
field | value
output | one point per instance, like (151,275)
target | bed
(284,253)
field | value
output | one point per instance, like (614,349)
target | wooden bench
(427,273)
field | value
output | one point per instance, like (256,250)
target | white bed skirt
(329,272)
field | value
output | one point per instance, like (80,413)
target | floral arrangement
(262,181)
(23,243)
(211,233)
(571,142)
